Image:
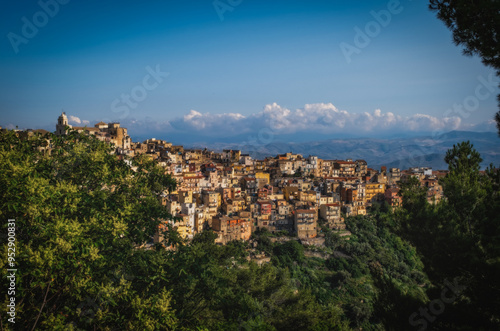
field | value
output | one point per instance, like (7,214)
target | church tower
(62,123)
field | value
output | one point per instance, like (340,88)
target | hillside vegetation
(83,218)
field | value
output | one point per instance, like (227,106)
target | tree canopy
(85,219)
(476,27)
(458,240)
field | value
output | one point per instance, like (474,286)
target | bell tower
(62,123)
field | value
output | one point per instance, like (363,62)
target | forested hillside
(83,218)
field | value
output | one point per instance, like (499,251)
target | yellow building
(308,196)
(183,227)
(211,199)
(262,179)
(374,191)
(185,196)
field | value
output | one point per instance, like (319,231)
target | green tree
(332,239)
(458,240)
(476,27)
(288,253)
(414,195)
(463,186)
(81,215)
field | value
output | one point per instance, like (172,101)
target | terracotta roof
(193,177)
(305,211)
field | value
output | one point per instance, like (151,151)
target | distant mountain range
(425,151)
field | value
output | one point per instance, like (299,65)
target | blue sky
(239,66)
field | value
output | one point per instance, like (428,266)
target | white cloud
(212,124)
(76,120)
(312,119)
(320,118)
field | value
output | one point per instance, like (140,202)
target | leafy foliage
(80,213)
(85,218)
(458,239)
(476,26)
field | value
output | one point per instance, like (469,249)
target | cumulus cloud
(201,121)
(213,124)
(320,118)
(275,120)
(76,120)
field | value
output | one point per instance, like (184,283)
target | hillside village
(234,194)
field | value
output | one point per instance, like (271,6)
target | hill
(392,152)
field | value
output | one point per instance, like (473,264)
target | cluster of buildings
(110,133)
(234,194)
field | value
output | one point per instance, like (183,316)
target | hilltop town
(233,194)
(300,238)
